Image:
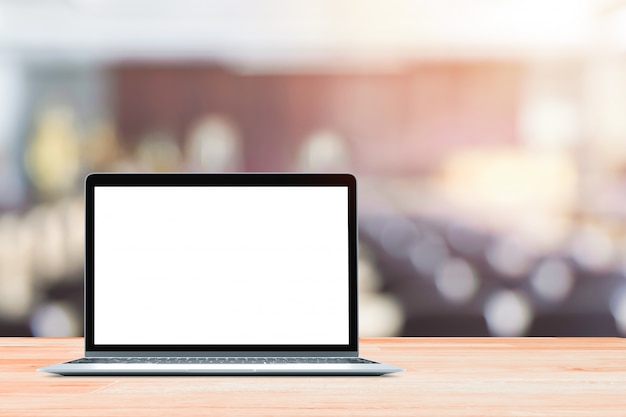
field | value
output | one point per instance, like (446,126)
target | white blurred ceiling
(309,31)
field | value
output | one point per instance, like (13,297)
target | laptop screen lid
(220,263)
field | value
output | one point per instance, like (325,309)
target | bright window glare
(382,28)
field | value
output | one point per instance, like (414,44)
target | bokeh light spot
(508,313)
(456,281)
(55,320)
(552,280)
(509,257)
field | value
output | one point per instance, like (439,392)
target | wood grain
(444,377)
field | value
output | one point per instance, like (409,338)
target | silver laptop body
(220,274)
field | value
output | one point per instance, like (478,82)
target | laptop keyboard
(220,360)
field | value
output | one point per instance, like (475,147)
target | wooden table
(444,377)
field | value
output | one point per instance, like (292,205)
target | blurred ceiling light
(456,281)
(159,152)
(508,314)
(324,150)
(509,257)
(213,145)
(52,158)
(552,280)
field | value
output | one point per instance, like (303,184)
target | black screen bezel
(206,179)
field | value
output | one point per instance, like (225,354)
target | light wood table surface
(444,377)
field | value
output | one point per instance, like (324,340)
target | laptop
(220,274)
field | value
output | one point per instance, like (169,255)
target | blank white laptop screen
(223,265)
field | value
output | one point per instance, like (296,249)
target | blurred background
(488,138)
